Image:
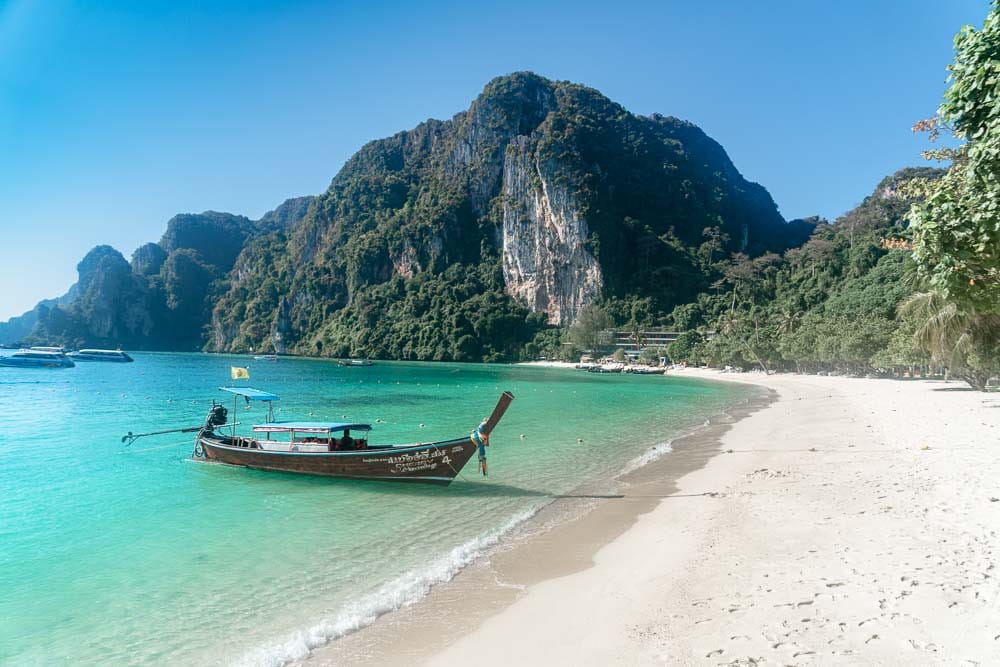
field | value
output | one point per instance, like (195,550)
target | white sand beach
(850,521)
(855,521)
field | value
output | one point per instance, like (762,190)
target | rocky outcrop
(111,306)
(217,237)
(147,260)
(288,214)
(546,264)
(508,108)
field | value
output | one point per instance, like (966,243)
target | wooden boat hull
(434,463)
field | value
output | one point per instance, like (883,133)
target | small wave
(657,451)
(653,453)
(395,594)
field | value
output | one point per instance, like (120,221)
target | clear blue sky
(114,116)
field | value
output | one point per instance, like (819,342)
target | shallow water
(115,554)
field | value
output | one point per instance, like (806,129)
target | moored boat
(333,449)
(645,370)
(265,357)
(606,368)
(114,356)
(330,449)
(37,359)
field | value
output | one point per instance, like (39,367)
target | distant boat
(265,357)
(37,359)
(116,356)
(607,368)
(356,362)
(645,370)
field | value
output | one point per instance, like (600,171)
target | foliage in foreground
(957,226)
(828,305)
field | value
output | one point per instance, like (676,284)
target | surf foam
(393,595)
(657,451)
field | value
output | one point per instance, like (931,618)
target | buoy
(421,426)
(579,439)
(522,436)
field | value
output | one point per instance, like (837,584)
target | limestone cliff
(546,264)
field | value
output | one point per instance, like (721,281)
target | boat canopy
(309,427)
(251,394)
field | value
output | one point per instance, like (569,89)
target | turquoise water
(124,555)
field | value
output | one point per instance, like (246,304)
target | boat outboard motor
(216,417)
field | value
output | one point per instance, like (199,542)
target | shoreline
(497,578)
(848,520)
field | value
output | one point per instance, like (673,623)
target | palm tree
(729,325)
(790,321)
(965,340)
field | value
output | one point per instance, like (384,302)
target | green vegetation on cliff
(163,299)
(830,304)
(427,244)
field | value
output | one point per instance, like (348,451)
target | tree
(687,348)
(716,241)
(957,227)
(588,330)
(640,314)
(731,327)
(790,321)
(965,340)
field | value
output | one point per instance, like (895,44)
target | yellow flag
(239,373)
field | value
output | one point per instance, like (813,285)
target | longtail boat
(333,449)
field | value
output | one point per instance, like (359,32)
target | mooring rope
(458,473)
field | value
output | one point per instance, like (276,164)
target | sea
(136,554)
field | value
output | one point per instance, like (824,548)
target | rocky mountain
(18,328)
(459,239)
(545,195)
(163,298)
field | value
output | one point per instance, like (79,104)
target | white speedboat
(101,355)
(37,359)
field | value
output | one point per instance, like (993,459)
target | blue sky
(114,116)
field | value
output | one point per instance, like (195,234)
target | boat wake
(393,595)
